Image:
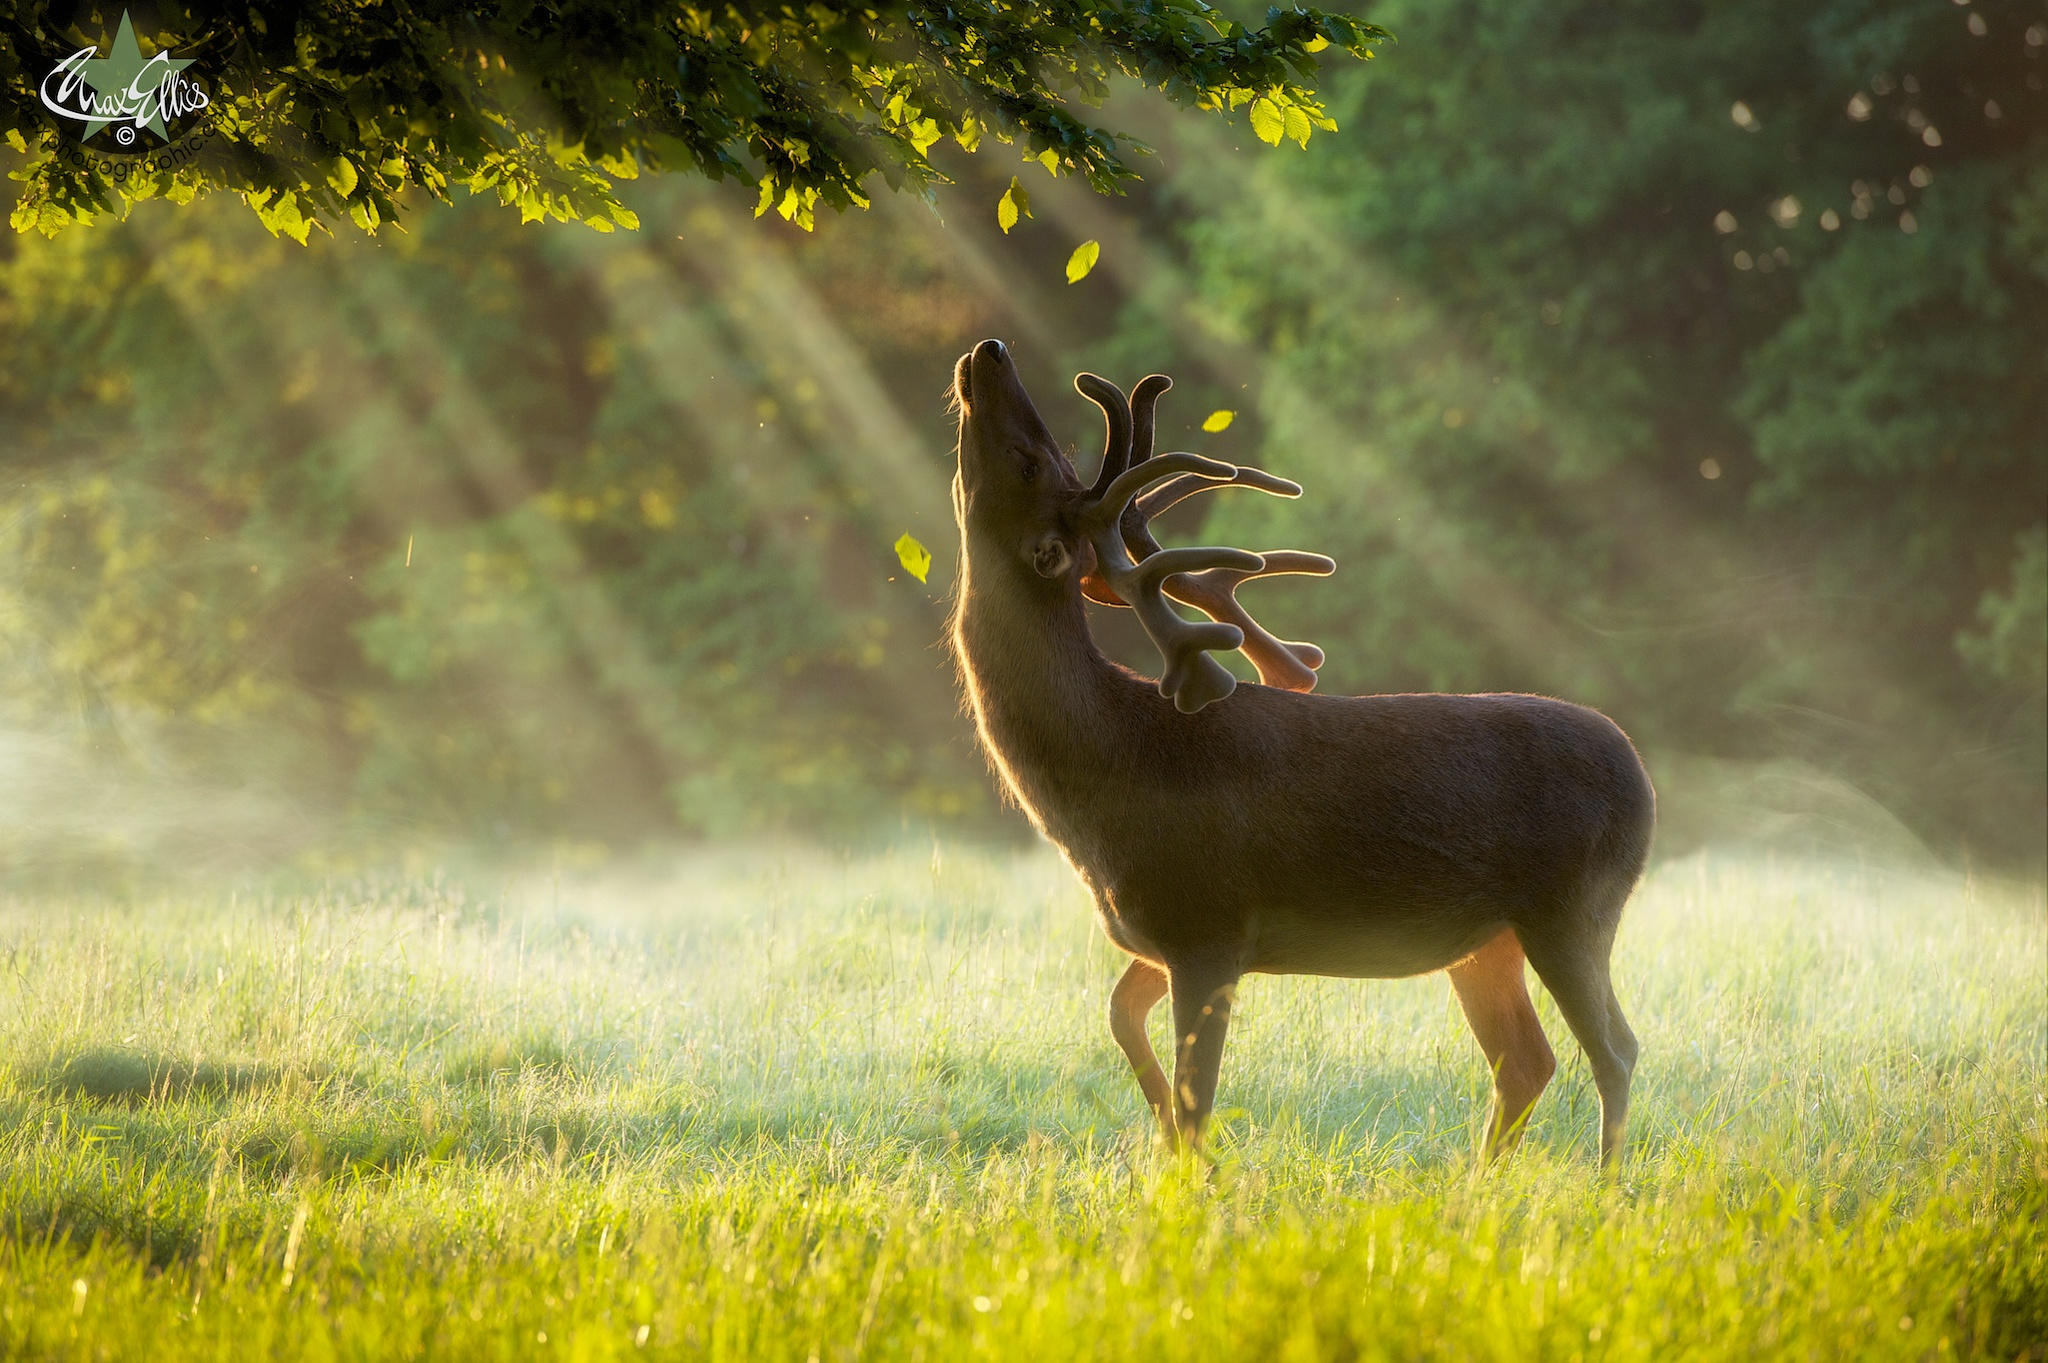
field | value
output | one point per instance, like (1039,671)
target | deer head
(1017,494)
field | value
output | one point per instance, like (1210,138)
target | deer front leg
(1202,998)
(1130,1003)
(1495,997)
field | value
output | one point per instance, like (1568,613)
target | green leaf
(1083,260)
(1297,124)
(861,84)
(1014,202)
(1219,420)
(1268,123)
(915,558)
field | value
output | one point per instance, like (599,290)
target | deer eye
(1030,474)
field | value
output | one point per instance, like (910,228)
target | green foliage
(606,1119)
(489,533)
(2010,642)
(321,112)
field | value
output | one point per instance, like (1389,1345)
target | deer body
(1283,832)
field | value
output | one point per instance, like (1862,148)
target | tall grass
(791,1106)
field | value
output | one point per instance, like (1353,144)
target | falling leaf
(1219,420)
(1014,202)
(915,558)
(1082,261)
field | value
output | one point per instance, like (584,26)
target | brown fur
(1363,836)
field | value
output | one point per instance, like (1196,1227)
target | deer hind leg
(1575,973)
(1202,999)
(1495,997)
(1624,1035)
(1130,1003)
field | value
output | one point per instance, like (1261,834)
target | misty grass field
(790,1106)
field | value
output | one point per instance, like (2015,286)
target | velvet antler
(1132,569)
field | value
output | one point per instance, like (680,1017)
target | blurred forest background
(1688,361)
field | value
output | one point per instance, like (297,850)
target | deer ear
(1052,557)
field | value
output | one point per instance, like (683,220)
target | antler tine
(1290,666)
(1143,404)
(1144,399)
(1180,489)
(1107,509)
(1116,415)
(1201,559)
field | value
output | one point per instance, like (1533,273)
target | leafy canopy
(327,110)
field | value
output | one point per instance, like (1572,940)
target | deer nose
(992,351)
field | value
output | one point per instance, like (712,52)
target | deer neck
(1046,702)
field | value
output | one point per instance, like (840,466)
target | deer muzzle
(995,411)
(986,376)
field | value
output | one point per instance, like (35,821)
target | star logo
(124,71)
(122,88)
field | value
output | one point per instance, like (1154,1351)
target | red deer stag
(1271,830)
